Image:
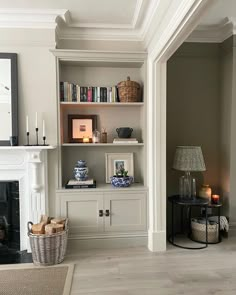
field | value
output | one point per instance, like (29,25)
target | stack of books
(73,183)
(125,140)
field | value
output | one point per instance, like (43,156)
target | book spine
(74,98)
(98,94)
(81,94)
(61,91)
(81,186)
(105,94)
(78,92)
(101,94)
(85,94)
(65,91)
(90,95)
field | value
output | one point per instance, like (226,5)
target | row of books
(70,92)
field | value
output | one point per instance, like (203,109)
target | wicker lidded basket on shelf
(129,91)
(48,249)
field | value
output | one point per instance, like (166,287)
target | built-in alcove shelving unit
(102,69)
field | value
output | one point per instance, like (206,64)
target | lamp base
(187,186)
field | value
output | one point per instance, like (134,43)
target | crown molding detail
(31,18)
(214,33)
(60,20)
(113,32)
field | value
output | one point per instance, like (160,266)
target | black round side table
(176,201)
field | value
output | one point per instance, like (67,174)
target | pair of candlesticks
(37,138)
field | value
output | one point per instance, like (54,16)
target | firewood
(38,228)
(59,221)
(44,219)
(52,228)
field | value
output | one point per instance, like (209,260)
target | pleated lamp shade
(189,158)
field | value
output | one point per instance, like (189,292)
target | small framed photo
(117,161)
(81,126)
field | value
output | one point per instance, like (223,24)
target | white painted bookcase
(103,212)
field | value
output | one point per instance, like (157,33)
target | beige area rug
(27,279)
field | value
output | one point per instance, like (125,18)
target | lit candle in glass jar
(215,199)
(85,139)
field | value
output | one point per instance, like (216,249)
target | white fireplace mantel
(28,165)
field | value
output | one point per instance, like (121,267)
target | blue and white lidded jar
(81,170)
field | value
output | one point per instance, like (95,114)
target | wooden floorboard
(135,271)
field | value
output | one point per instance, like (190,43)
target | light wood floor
(135,271)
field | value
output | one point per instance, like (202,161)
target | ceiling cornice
(31,18)
(113,32)
(60,19)
(213,33)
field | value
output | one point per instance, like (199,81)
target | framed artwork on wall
(117,161)
(81,126)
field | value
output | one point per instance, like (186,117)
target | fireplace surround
(27,166)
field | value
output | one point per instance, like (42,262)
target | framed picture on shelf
(81,126)
(117,161)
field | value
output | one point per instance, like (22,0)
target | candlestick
(37,136)
(27,124)
(27,134)
(44,140)
(36,120)
(215,199)
(44,128)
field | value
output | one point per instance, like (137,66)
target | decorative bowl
(117,181)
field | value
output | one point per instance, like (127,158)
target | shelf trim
(102,144)
(102,103)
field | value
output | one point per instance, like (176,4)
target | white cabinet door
(127,211)
(83,212)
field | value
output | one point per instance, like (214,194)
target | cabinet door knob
(100,213)
(107,213)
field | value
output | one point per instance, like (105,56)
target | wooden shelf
(102,144)
(102,104)
(107,187)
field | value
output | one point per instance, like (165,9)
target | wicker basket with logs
(48,241)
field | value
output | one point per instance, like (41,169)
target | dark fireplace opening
(10,224)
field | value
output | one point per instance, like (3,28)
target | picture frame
(115,161)
(80,126)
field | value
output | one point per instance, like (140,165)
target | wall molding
(214,33)
(160,47)
(31,18)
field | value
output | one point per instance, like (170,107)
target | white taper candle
(44,134)
(27,124)
(36,120)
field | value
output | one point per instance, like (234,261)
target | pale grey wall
(193,109)
(37,88)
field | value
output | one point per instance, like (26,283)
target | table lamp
(187,159)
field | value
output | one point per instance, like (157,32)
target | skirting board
(75,244)
(157,241)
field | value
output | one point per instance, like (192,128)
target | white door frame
(177,30)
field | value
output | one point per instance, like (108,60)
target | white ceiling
(86,13)
(219,11)
(108,19)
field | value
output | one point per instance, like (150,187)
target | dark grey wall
(193,109)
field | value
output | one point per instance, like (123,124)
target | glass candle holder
(85,139)
(96,136)
(215,199)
